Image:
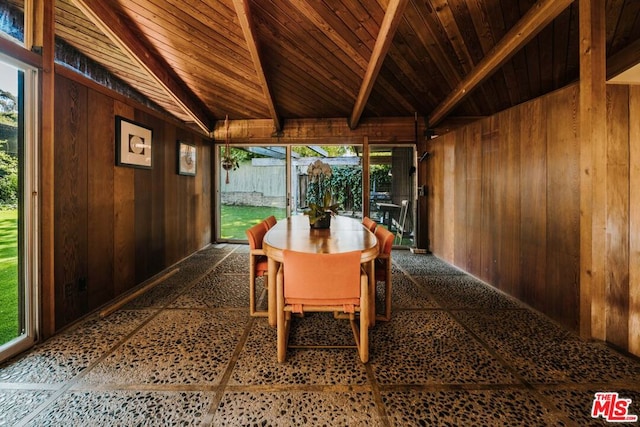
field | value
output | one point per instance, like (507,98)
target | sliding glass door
(344,183)
(252,186)
(18,208)
(254,182)
(392,197)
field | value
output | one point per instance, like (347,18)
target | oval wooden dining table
(293,233)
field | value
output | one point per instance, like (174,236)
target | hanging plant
(228,162)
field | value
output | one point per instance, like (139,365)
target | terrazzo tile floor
(186,352)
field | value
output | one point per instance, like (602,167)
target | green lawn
(236,219)
(8,275)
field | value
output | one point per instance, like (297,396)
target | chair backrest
(270,221)
(324,278)
(404,207)
(369,223)
(385,240)
(255,235)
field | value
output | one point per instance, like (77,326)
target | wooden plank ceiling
(201,60)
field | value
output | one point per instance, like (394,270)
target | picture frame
(134,144)
(187,156)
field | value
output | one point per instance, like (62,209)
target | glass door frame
(365,149)
(28,210)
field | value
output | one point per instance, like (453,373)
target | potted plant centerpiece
(320,210)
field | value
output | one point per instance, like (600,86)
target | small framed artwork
(186,158)
(133,144)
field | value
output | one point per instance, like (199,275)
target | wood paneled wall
(504,205)
(115,226)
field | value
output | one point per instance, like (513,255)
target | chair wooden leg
(364,319)
(387,296)
(281,325)
(252,287)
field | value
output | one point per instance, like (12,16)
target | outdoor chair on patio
(322,282)
(257,264)
(369,223)
(383,268)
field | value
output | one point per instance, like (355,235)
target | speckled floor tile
(157,297)
(456,352)
(17,404)
(126,408)
(69,353)
(542,352)
(297,409)
(176,347)
(237,262)
(218,290)
(465,292)
(431,348)
(468,408)
(423,265)
(258,364)
(405,294)
(577,404)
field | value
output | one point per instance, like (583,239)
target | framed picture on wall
(134,144)
(187,157)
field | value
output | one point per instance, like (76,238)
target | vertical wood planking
(510,165)
(124,214)
(474,198)
(460,196)
(448,200)
(533,202)
(172,231)
(143,203)
(488,157)
(158,177)
(634,221)
(617,249)
(70,201)
(111,222)
(436,194)
(100,254)
(563,201)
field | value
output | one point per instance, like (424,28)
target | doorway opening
(18,207)
(392,184)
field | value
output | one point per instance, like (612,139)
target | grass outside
(235,220)
(8,275)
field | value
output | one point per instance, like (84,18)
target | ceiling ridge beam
(105,18)
(246,23)
(537,18)
(390,23)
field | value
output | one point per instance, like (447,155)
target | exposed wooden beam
(44,16)
(106,19)
(623,60)
(246,22)
(392,18)
(538,17)
(593,169)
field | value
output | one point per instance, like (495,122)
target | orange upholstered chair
(322,282)
(257,264)
(383,268)
(369,223)
(270,221)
